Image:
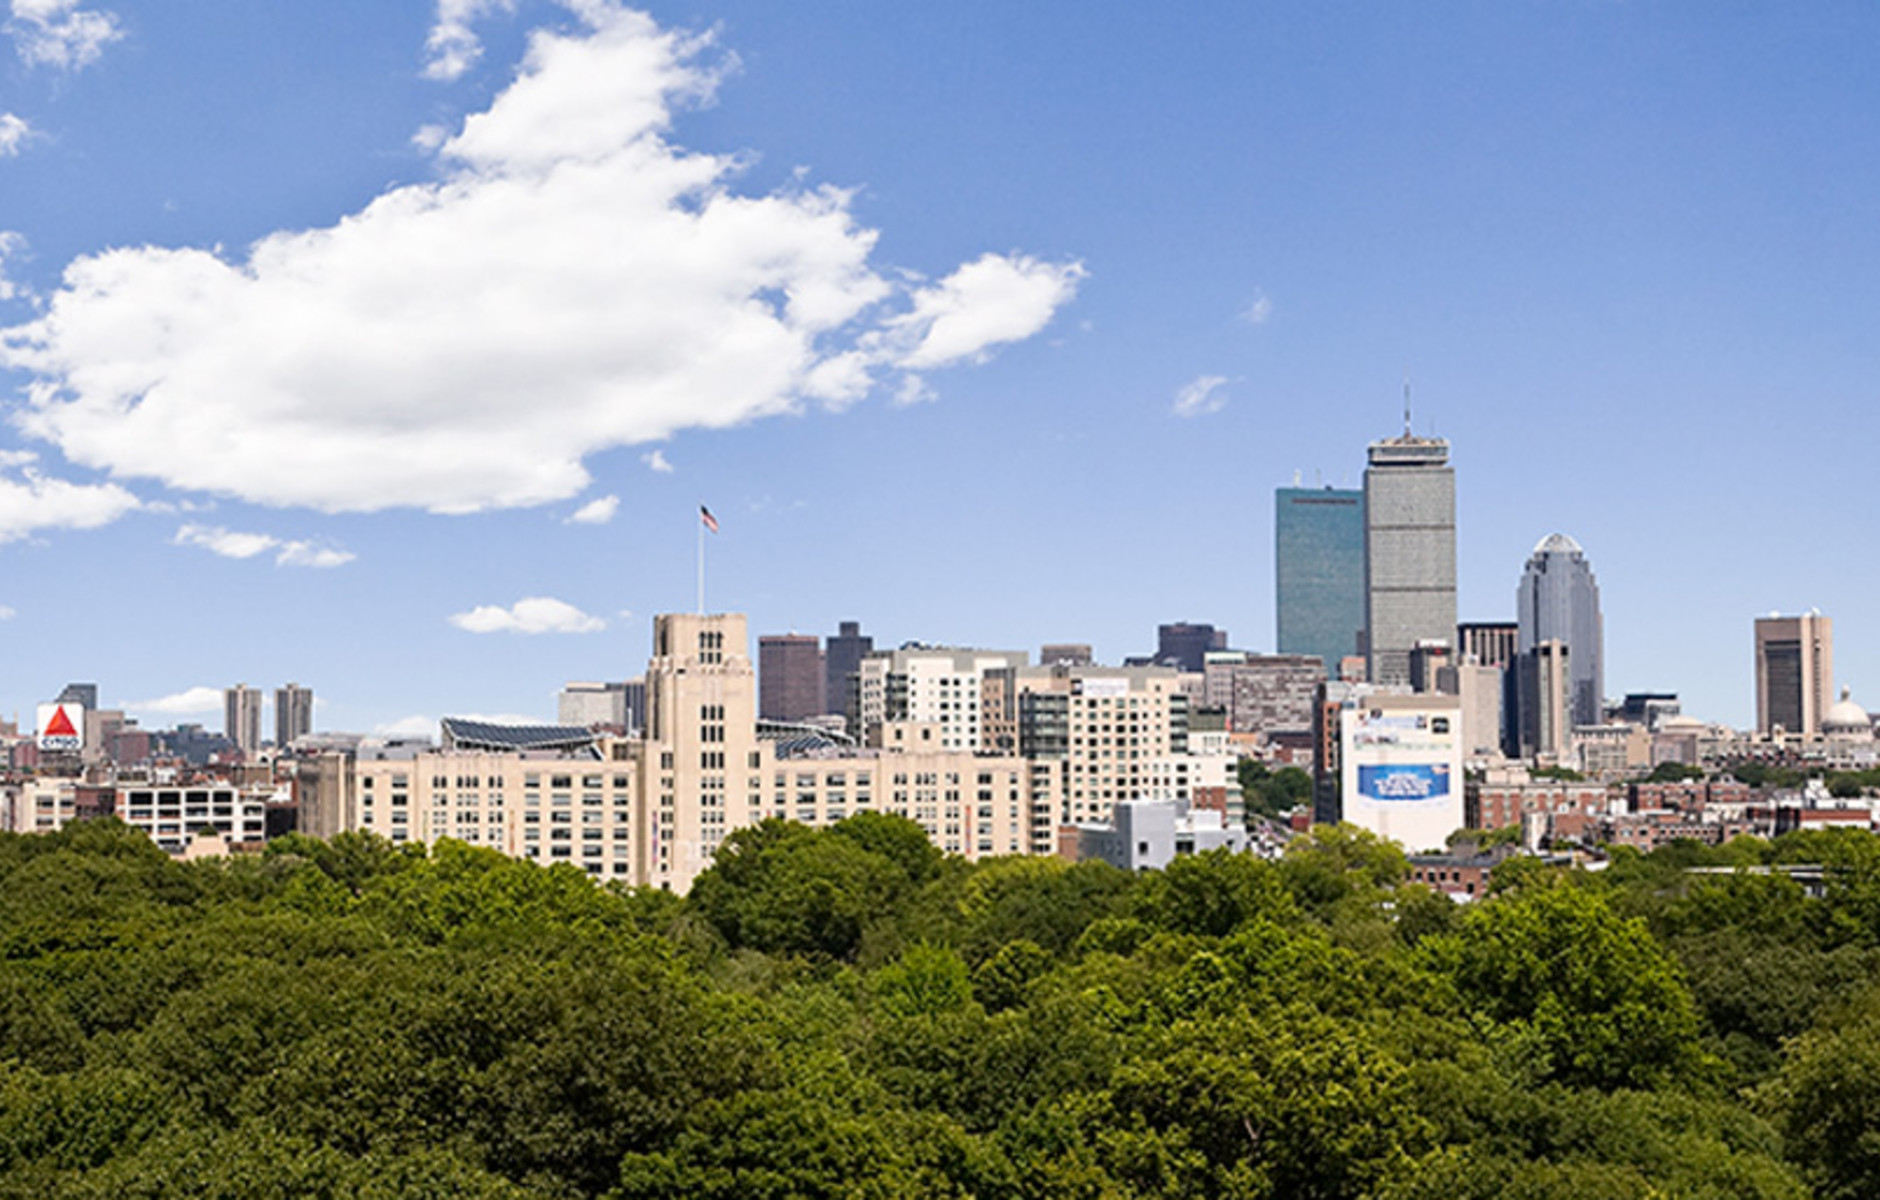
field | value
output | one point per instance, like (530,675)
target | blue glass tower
(1319,547)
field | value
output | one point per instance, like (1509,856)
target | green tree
(1579,994)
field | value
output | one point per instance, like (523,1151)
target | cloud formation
(655,461)
(231,543)
(1201,396)
(184,703)
(13,133)
(31,501)
(453,47)
(1259,312)
(596,512)
(57,33)
(533,614)
(572,282)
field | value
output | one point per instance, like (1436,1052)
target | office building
(1262,693)
(1490,643)
(1318,544)
(790,677)
(1794,673)
(1409,552)
(293,714)
(241,717)
(1427,658)
(933,685)
(600,705)
(1185,646)
(1543,704)
(1558,600)
(843,653)
(85,694)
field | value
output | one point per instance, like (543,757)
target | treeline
(846,1013)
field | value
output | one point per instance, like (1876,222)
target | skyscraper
(789,677)
(843,652)
(293,713)
(1318,543)
(1558,600)
(1186,645)
(1409,551)
(1794,672)
(241,717)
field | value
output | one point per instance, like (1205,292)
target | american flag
(705,515)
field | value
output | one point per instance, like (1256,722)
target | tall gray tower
(1409,552)
(1558,600)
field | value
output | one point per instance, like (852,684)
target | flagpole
(701,568)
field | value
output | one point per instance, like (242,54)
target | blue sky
(329,334)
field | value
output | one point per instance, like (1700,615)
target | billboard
(1402,767)
(62,728)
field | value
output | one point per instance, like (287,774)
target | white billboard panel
(62,728)
(1402,768)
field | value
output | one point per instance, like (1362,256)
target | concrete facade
(1409,552)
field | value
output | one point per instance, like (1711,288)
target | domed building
(1847,730)
(1847,721)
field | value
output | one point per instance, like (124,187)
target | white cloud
(306,554)
(417,725)
(596,512)
(655,461)
(230,543)
(58,33)
(569,249)
(11,243)
(913,390)
(535,614)
(32,502)
(8,612)
(13,133)
(180,704)
(453,45)
(1258,312)
(989,301)
(1201,396)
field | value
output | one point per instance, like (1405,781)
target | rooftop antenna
(1406,404)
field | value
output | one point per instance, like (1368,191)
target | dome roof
(1558,543)
(1845,716)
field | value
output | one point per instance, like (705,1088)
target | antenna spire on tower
(1406,404)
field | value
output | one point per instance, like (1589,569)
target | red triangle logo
(61,725)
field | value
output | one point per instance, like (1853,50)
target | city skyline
(1208,248)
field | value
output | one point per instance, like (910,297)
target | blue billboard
(1404,781)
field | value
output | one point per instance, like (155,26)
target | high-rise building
(1318,543)
(1185,646)
(1558,600)
(1543,706)
(79,693)
(938,685)
(843,653)
(1794,672)
(293,713)
(1489,643)
(1409,552)
(789,677)
(241,717)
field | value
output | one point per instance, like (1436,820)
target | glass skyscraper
(1558,600)
(1318,539)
